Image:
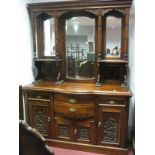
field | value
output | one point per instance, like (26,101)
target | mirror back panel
(113,37)
(80,48)
(49,37)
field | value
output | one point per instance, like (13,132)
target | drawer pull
(111,102)
(72,109)
(39,97)
(99,124)
(75,131)
(49,119)
(72,100)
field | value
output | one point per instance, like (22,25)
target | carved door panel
(110,126)
(63,129)
(85,132)
(39,116)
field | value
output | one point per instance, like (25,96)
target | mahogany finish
(74,113)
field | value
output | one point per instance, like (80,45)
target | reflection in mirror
(49,37)
(113,37)
(80,47)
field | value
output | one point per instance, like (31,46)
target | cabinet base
(88,147)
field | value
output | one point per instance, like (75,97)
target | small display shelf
(47,60)
(112,61)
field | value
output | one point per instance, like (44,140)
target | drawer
(74,111)
(38,96)
(111,101)
(76,99)
(74,108)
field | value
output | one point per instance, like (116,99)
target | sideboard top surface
(79,88)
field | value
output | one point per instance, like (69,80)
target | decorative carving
(98,83)
(56,13)
(63,131)
(125,56)
(99,56)
(125,84)
(75,116)
(35,14)
(35,69)
(95,11)
(110,130)
(40,122)
(53,13)
(123,11)
(84,133)
(104,11)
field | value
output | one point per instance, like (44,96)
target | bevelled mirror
(113,37)
(49,37)
(80,48)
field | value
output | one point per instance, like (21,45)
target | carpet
(61,151)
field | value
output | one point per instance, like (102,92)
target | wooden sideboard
(80,116)
(80,96)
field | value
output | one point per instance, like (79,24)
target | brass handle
(99,124)
(49,119)
(39,97)
(72,100)
(75,131)
(72,109)
(112,102)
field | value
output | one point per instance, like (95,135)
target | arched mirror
(49,37)
(113,37)
(80,48)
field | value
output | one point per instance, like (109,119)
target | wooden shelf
(48,60)
(112,61)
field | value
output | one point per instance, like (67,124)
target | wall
(16,68)
(131,71)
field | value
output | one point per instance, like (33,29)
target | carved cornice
(76,5)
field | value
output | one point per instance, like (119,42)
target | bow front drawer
(74,111)
(74,99)
(75,107)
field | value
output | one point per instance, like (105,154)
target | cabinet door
(63,129)
(110,125)
(39,116)
(85,132)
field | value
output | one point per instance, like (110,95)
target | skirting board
(88,147)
